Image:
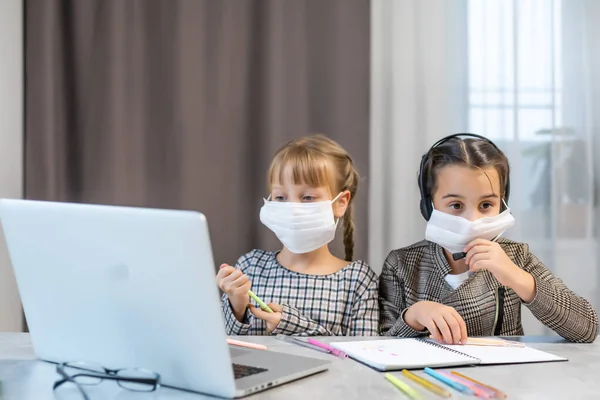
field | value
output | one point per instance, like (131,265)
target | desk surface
(25,378)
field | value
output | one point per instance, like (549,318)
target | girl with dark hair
(464,279)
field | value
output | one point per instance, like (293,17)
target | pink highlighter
(334,351)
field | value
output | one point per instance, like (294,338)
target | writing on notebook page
(371,347)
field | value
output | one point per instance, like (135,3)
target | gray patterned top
(417,272)
(340,304)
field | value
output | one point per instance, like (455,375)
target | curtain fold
(11,153)
(182,103)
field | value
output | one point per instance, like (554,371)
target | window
(514,68)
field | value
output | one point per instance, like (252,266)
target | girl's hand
(236,285)
(272,319)
(442,322)
(484,254)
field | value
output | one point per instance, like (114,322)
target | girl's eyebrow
(458,196)
(489,196)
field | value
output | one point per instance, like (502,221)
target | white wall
(11,145)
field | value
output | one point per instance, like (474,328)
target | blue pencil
(448,381)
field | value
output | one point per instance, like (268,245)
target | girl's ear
(341,204)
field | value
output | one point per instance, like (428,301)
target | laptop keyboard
(241,371)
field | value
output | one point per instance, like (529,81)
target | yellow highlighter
(406,389)
(261,303)
(432,387)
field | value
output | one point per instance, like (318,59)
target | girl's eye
(308,198)
(455,206)
(278,198)
(486,206)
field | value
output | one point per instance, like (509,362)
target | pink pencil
(239,343)
(478,390)
(493,342)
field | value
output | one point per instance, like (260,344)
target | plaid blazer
(417,272)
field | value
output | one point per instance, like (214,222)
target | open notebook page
(395,354)
(505,355)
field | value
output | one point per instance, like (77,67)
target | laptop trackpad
(237,352)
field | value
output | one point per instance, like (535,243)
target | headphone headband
(426,203)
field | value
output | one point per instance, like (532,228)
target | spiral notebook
(396,354)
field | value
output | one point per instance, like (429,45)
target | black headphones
(426,204)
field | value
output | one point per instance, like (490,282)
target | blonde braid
(351,185)
(349,233)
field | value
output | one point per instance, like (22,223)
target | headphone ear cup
(423,203)
(426,210)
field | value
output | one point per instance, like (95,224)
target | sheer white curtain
(578,215)
(531,83)
(418,95)
(530,89)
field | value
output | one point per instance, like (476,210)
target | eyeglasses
(84,374)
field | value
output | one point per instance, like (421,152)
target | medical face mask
(453,233)
(301,227)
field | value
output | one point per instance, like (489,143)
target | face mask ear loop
(267,199)
(336,197)
(503,232)
(337,220)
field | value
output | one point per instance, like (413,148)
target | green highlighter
(260,302)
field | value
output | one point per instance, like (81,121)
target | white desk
(24,378)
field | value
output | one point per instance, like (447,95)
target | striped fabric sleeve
(392,303)
(365,311)
(294,323)
(557,307)
(232,325)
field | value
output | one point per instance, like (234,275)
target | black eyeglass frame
(109,374)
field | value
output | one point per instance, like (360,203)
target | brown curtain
(182,103)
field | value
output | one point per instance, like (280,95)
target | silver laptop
(131,287)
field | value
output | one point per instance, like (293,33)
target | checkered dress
(417,273)
(340,304)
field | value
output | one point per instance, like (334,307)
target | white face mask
(301,227)
(453,233)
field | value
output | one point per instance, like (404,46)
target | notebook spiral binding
(441,346)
